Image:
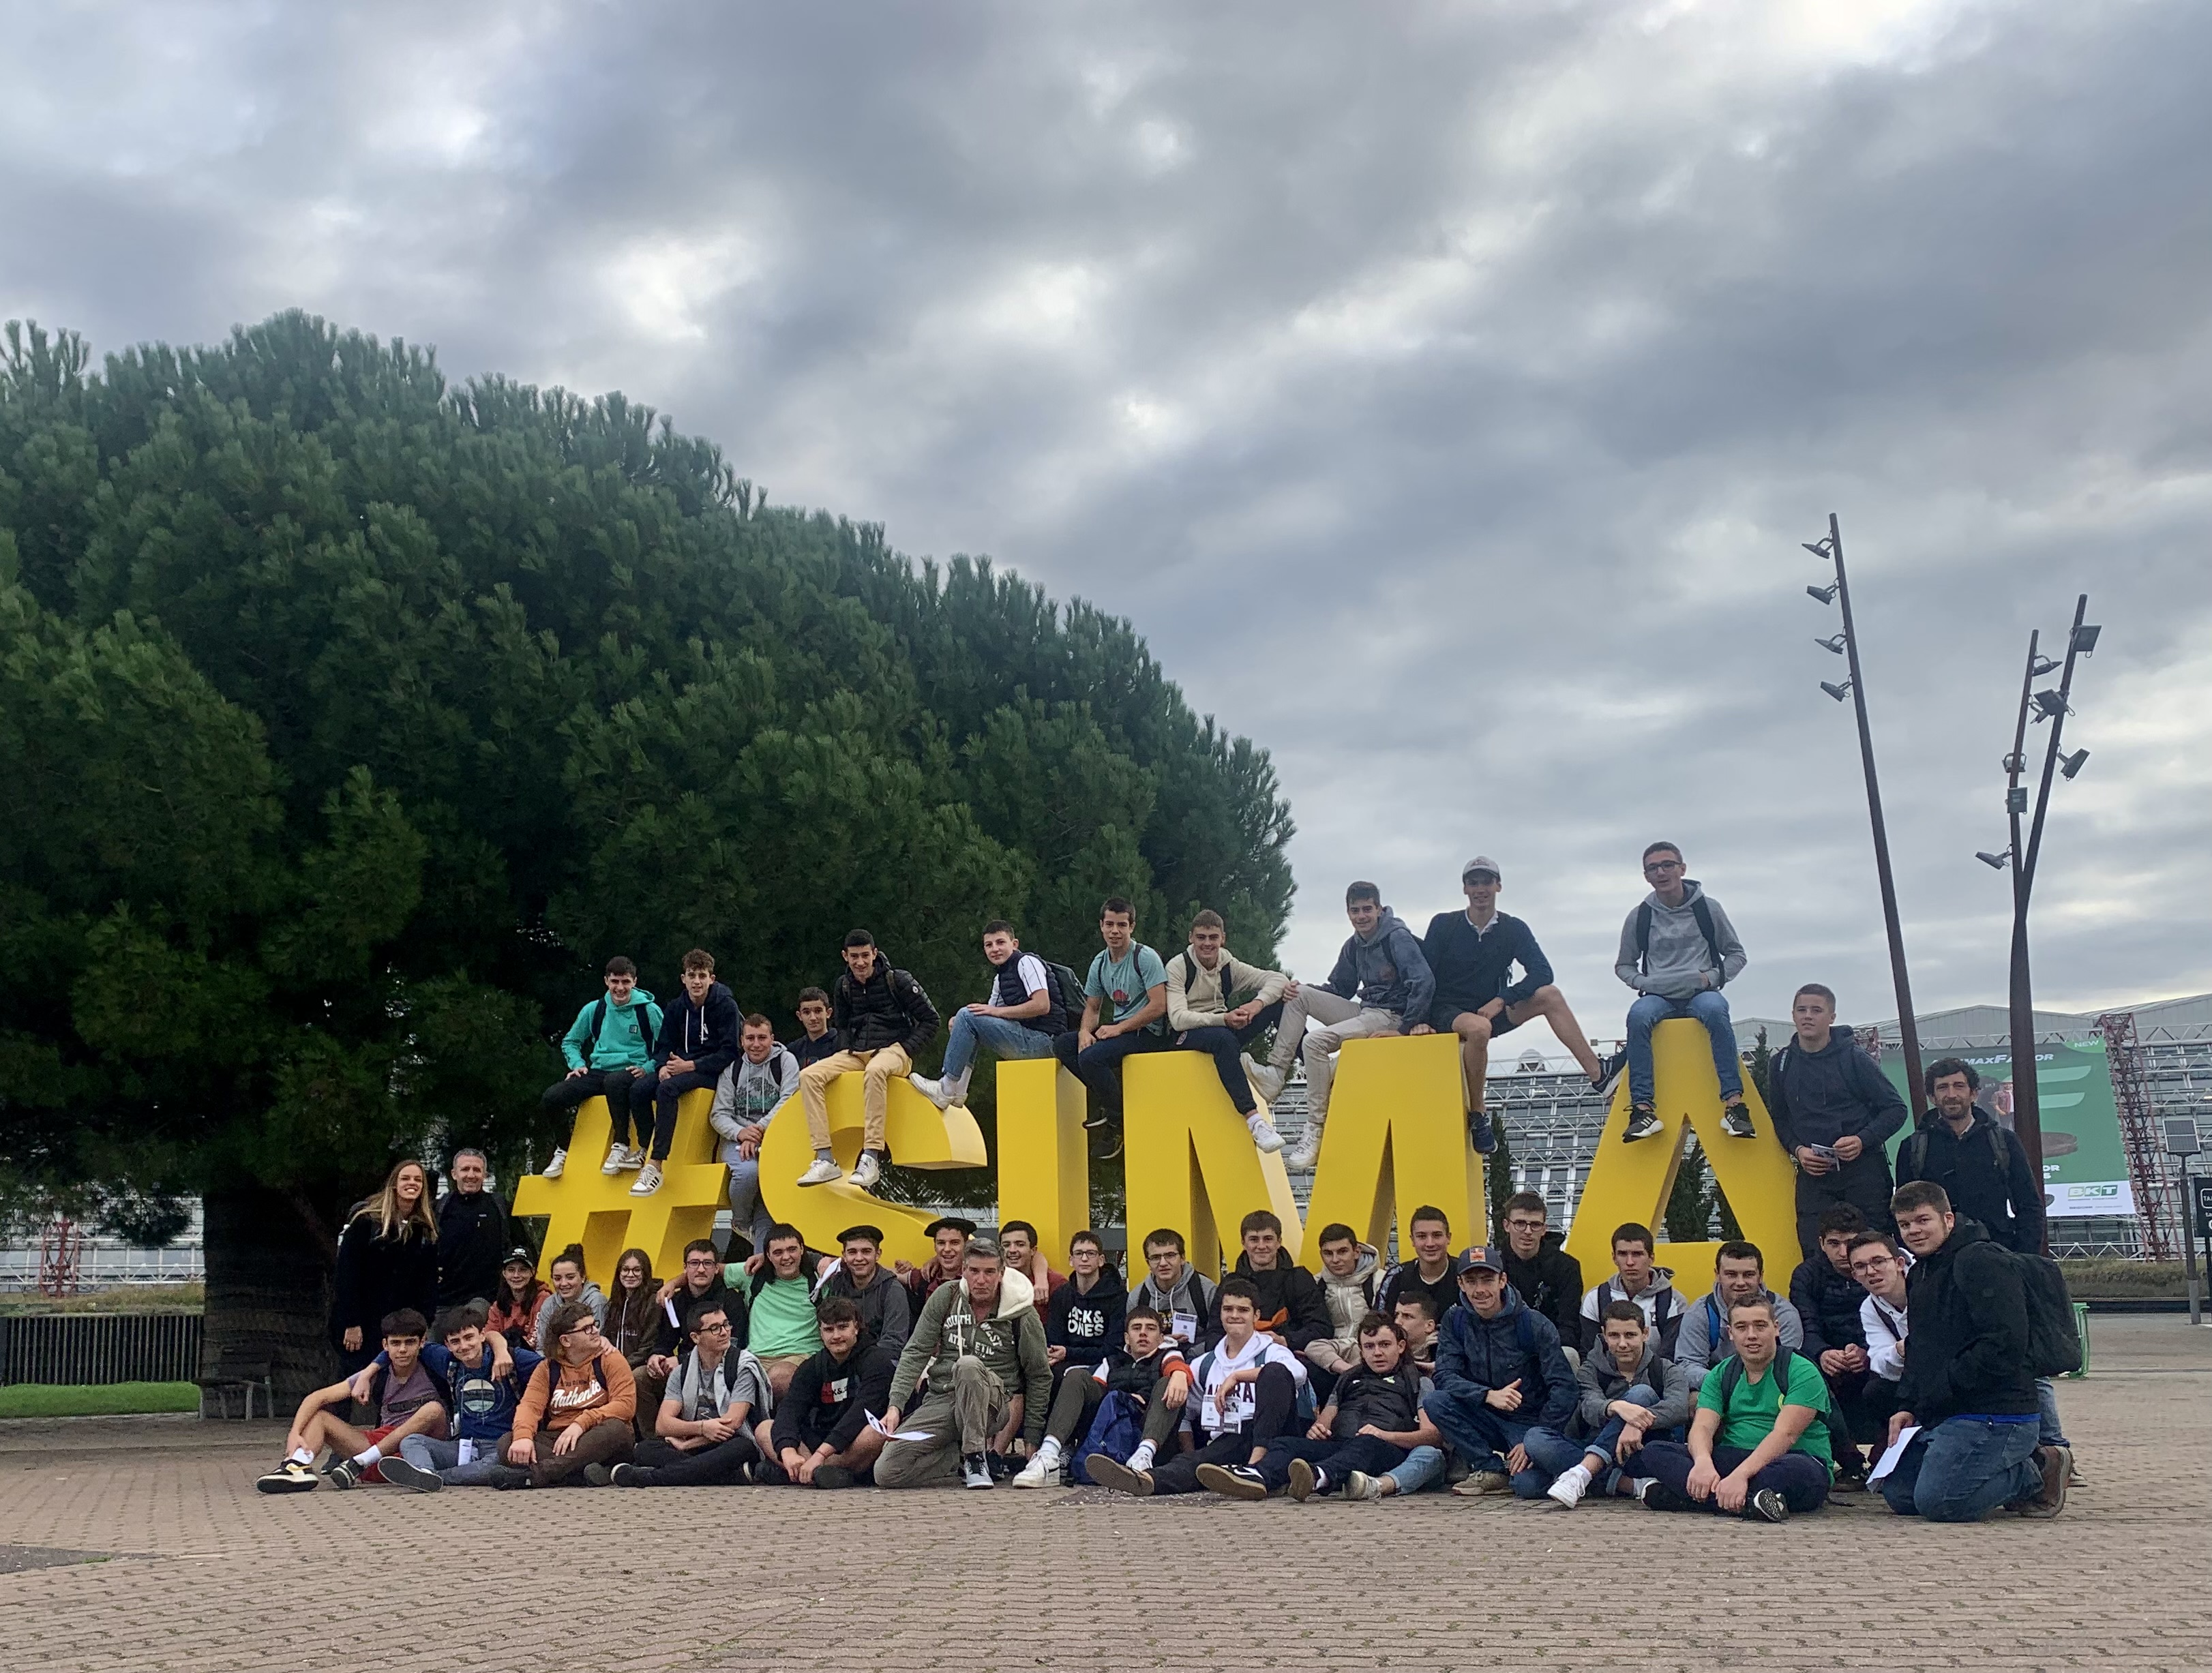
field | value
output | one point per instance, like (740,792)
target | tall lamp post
(2052,705)
(1846,645)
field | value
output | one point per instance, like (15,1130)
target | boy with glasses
(714,1425)
(1678,950)
(583,1399)
(1543,1274)
(1879,1268)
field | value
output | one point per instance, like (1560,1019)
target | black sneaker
(1117,1477)
(1609,1071)
(1232,1481)
(290,1476)
(1659,1496)
(597,1475)
(506,1478)
(976,1470)
(1479,1130)
(1766,1506)
(413,1477)
(832,1475)
(1736,1121)
(344,1473)
(627,1475)
(1642,1122)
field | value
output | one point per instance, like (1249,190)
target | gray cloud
(1443,390)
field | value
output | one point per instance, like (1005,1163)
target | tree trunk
(269,1267)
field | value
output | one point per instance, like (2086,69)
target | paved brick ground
(190,1568)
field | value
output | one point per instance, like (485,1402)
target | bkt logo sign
(2087,1193)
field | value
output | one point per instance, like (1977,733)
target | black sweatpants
(1865,1184)
(614,1083)
(706,1466)
(1275,1411)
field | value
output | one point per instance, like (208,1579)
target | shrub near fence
(101,1348)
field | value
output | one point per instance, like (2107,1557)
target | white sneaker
(1567,1491)
(1037,1471)
(555,1168)
(1301,1160)
(933,1090)
(822,1173)
(866,1170)
(1266,1082)
(1361,1485)
(1264,1139)
(956,1088)
(617,1158)
(649,1181)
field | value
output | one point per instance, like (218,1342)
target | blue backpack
(1116,1429)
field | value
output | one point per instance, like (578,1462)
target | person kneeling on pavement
(1758,1447)
(1504,1391)
(1969,1382)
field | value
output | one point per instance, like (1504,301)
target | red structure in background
(61,1247)
(2150,1171)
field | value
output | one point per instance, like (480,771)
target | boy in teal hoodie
(608,1046)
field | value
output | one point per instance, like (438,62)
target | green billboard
(2085,1165)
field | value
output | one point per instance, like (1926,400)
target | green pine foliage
(351,720)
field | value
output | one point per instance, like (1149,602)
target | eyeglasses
(1874,1262)
(1664,865)
(581,1330)
(1524,1224)
(722,1329)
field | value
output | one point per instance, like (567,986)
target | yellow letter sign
(1633,1181)
(597,1210)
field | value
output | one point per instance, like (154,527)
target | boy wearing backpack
(1739,1275)
(749,1094)
(1148,1372)
(1760,1447)
(1982,1167)
(607,1047)
(1128,979)
(1504,1391)
(1834,1112)
(1678,950)
(1979,1324)
(1026,1012)
(1203,985)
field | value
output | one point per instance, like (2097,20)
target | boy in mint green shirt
(1758,1444)
(780,1327)
(1125,1007)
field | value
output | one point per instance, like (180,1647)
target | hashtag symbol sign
(597,1210)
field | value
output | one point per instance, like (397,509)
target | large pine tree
(350,719)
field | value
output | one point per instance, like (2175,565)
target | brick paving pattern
(219,1577)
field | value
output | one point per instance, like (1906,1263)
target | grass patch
(2126,1281)
(123,1298)
(94,1399)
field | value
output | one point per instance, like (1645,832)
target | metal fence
(101,1348)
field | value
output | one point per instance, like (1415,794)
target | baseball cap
(1480,863)
(1481,1258)
(519,1257)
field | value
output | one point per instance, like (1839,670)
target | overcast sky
(1442,390)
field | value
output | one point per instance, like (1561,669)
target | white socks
(370,1458)
(1049,1453)
(1142,1458)
(301,1455)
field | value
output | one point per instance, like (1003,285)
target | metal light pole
(1908,1028)
(2053,705)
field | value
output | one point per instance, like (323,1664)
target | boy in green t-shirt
(780,1325)
(1125,1004)
(1758,1444)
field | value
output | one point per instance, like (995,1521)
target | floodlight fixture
(1824,548)
(2070,764)
(2016,799)
(2041,666)
(1837,692)
(1826,595)
(2050,705)
(2085,639)
(1995,862)
(1834,642)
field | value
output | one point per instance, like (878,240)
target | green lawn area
(94,1399)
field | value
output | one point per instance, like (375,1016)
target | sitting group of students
(1491,1370)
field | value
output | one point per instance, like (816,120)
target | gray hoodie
(1703,1341)
(1602,1383)
(1385,970)
(1678,963)
(751,1092)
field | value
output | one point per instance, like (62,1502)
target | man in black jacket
(1548,1279)
(1982,1167)
(1833,1111)
(472,1235)
(886,1021)
(1968,1385)
(1828,1299)
(1292,1307)
(822,1435)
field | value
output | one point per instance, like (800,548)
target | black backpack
(1064,989)
(1699,911)
(2054,1341)
(1912,1155)
(1841,1447)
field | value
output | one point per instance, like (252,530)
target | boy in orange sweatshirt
(583,1398)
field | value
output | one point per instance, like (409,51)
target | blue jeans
(1005,1038)
(1338,1458)
(1221,1042)
(1799,1477)
(1423,1465)
(1100,1068)
(2046,1401)
(1482,1435)
(1708,1008)
(749,1214)
(1963,1469)
(445,1457)
(1609,1437)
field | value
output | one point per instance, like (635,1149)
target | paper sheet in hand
(1888,1460)
(913,1434)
